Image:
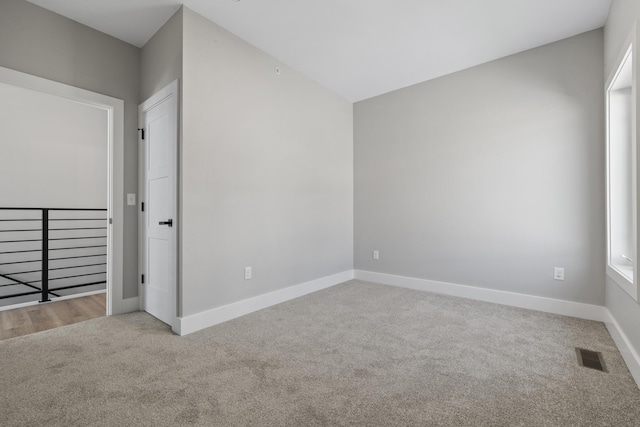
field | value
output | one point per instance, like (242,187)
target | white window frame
(614,271)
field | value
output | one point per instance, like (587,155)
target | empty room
(319,213)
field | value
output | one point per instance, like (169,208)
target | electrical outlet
(247,273)
(376,255)
(558,273)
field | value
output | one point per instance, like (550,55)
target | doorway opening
(61,214)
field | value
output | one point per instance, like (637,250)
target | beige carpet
(355,354)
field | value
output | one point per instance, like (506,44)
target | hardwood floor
(23,321)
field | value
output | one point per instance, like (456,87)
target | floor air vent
(591,359)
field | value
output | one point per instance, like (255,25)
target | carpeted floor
(355,354)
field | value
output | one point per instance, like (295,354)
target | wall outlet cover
(558,273)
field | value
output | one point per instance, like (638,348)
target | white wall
(622,16)
(267,172)
(55,151)
(491,176)
(41,43)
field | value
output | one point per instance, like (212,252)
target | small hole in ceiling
(278,70)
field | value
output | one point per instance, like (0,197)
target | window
(621,175)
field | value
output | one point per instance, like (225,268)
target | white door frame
(114,107)
(171,90)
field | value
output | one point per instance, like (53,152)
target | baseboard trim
(84,294)
(205,319)
(547,305)
(53,299)
(630,356)
(19,305)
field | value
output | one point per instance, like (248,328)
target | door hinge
(142,279)
(110,220)
(142,206)
(142,132)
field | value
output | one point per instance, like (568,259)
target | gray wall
(625,310)
(41,132)
(161,59)
(267,172)
(622,16)
(39,42)
(489,177)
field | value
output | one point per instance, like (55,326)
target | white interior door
(158,193)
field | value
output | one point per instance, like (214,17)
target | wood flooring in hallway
(27,320)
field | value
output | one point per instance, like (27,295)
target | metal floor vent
(591,359)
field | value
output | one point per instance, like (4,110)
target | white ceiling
(360,48)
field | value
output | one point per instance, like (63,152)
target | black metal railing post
(45,255)
(70,241)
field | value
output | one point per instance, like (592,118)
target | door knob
(168,222)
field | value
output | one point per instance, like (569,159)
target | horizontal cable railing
(47,251)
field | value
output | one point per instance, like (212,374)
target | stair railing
(66,248)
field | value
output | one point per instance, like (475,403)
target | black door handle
(169,223)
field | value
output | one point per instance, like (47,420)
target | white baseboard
(20,305)
(205,319)
(630,356)
(83,294)
(547,305)
(53,299)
